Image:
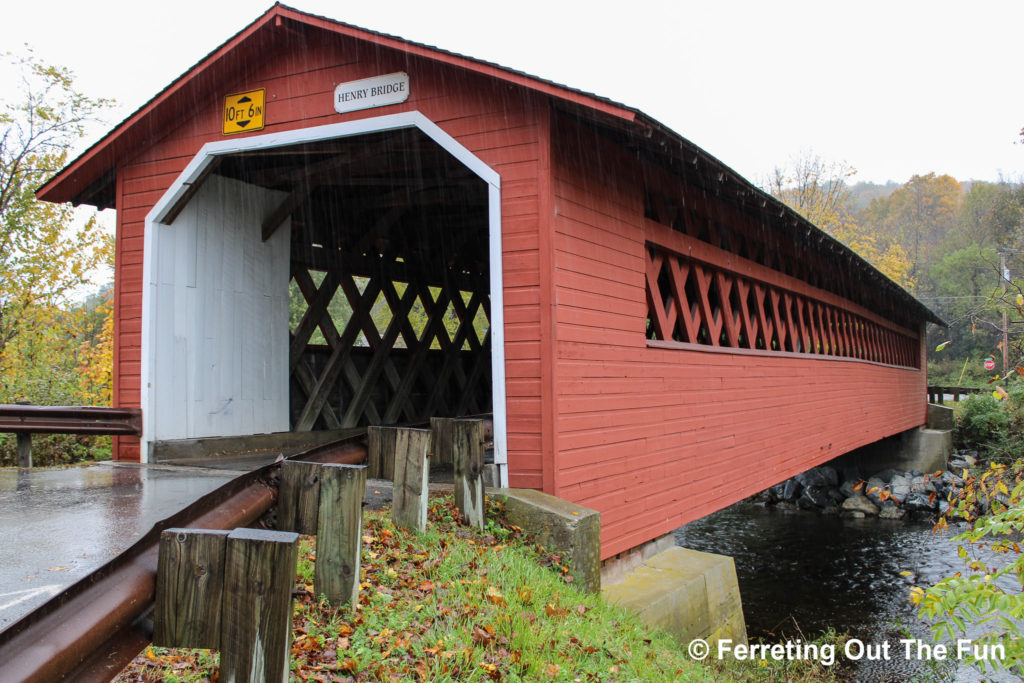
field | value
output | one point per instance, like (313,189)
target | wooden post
(24,449)
(409,503)
(380,452)
(299,501)
(441,440)
(468,454)
(326,500)
(256,621)
(189,586)
(339,533)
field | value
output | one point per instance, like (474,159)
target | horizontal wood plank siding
(496,122)
(656,437)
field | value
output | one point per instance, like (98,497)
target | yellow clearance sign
(244,111)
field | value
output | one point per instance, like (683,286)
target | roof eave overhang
(71,183)
(733,187)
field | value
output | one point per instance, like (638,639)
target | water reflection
(802,573)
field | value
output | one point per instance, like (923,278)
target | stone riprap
(889,494)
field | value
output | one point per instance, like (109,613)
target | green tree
(45,259)
(963,289)
(991,215)
(918,216)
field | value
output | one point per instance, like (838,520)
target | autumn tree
(819,191)
(45,257)
(918,216)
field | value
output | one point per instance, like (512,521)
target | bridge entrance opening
(327,284)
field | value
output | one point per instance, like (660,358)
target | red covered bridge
(322,227)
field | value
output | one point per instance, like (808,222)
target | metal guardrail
(93,629)
(26,420)
(937,394)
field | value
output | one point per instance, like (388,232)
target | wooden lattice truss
(403,374)
(695,302)
(390,285)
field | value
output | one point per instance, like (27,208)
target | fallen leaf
(482,637)
(494,597)
(553,610)
(59,569)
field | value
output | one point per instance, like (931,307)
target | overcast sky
(893,88)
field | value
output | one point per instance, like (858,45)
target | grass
(453,604)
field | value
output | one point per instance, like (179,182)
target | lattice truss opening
(698,303)
(389,292)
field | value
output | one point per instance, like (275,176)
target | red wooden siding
(655,437)
(500,124)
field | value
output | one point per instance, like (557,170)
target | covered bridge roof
(90,178)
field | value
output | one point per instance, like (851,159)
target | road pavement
(59,524)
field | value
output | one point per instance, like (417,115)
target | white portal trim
(413,119)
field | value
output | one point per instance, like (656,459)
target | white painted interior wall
(219,327)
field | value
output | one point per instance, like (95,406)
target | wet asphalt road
(57,525)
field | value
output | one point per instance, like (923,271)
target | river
(801,573)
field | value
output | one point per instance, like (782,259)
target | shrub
(987,424)
(56,449)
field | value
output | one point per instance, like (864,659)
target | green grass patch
(453,604)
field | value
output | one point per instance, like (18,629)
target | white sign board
(371,92)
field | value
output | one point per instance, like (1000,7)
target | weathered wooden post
(409,503)
(380,452)
(468,456)
(24,449)
(298,502)
(232,591)
(256,620)
(326,500)
(441,440)
(189,588)
(339,533)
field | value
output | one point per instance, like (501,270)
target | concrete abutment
(690,594)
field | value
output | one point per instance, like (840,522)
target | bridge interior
(388,302)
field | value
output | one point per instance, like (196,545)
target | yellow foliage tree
(818,191)
(45,257)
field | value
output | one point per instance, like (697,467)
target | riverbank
(456,605)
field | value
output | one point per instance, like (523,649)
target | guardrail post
(231,591)
(298,504)
(409,503)
(467,440)
(339,533)
(441,440)
(24,449)
(256,621)
(189,588)
(380,452)
(327,500)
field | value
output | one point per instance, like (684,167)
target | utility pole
(1004,276)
